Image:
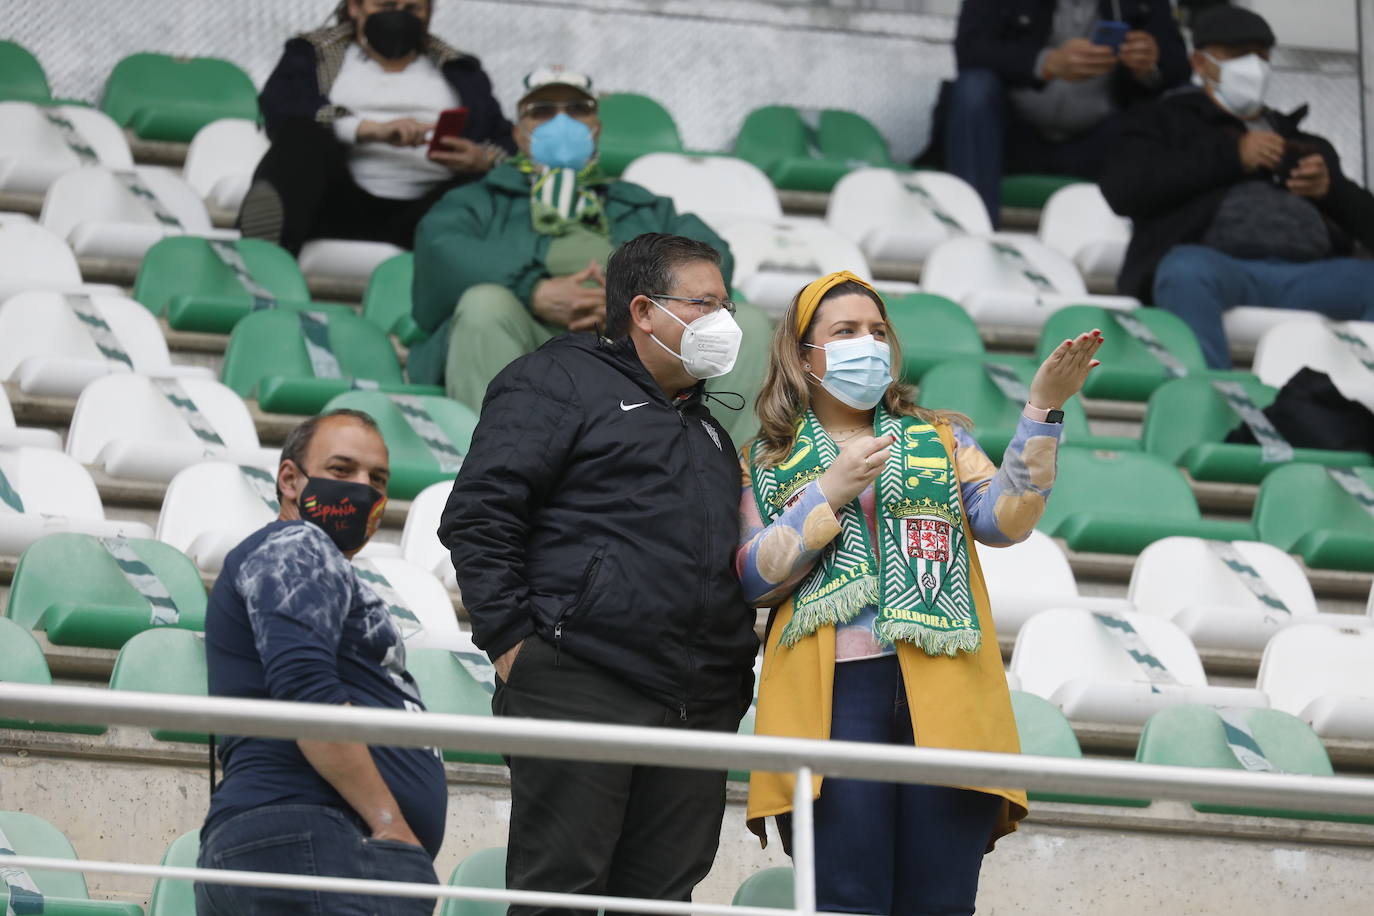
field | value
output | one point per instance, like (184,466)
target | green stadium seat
(29,835)
(1046,732)
(71,586)
(772,888)
(386,303)
(267,358)
(447,687)
(21,76)
(632,125)
(182,278)
(1120,502)
(1031,192)
(161,97)
(1302,510)
(164,661)
(852,139)
(1194,736)
(778,141)
(22,662)
(172,897)
(414,465)
(1187,421)
(932,329)
(484,868)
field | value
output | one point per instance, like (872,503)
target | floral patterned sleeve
(773,559)
(1004,504)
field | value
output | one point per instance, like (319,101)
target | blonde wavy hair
(786,394)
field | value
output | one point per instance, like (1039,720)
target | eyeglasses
(706,304)
(546,111)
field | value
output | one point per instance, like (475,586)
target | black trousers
(601,828)
(308,167)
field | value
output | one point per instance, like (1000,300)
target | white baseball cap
(556,76)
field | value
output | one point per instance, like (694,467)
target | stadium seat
(32,257)
(221,159)
(172,897)
(484,868)
(902,216)
(87,592)
(1320,674)
(29,835)
(21,75)
(1187,423)
(12,436)
(22,662)
(1078,223)
(931,329)
(43,492)
(137,427)
(1032,192)
(344,260)
(164,660)
(50,348)
(415,462)
(1288,347)
(418,543)
(1032,576)
(775,259)
(1008,281)
(633,125)
(387,301)
(211,506)
(772,887)
(161,97)
(1246,325)
(777,139)
(34,150)
(421,605)
(719,189)
(1303,510)
(101,217)
(1072,658)
(1045,732)
(1196,736)
(456,682)
(1118,502)
(270,358)
(1218,610)
(849,137)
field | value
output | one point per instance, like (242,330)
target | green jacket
(481,233)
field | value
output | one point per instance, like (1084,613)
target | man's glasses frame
(707,304)
(547,111)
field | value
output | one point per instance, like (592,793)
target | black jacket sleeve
(1348,205)
(530,419)
(1174,70)
(293,89)
(990,36)
(485,124)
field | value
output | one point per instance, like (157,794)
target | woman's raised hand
(1062,374)
(860,461)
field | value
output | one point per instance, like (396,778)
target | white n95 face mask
(709,344)
(1242,83)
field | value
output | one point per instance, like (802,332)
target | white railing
(648,746)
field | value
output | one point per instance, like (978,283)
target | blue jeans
(888,847)
(1198,284)
(308,840)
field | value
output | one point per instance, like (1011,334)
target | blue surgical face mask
(857,372)
(562,143)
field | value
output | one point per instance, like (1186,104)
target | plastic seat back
(851,138)
(418,543)
(387,301)
(770,134)
(271,344)
(806,249)
(1140,486)
(963,266)
(1288,347)
(21,75)
(1034,568)
(716,188)
(1297,500)
(1044,731)
(932,329)
(172,897)
(187,266)
(892,215)
(1129,371)
(222,152)
(1078,223)
(41,324)
(448,686)
(34,257)
(164,661)
(632,125)
(1309,660)
(51,483)
(170,98)
(208,508)
(1169,561)
(484,868)
(773,887)
(33,151)
(1188,412)
(414,464)
(96,195)
(424,614)
(29,835)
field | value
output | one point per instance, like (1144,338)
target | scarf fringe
(838,608)
(932,642)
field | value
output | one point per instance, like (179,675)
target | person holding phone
(1233,203)
(371,121)
(1041,84)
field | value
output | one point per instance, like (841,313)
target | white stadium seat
(1246,324)
(436,623)
(126,425)
(34,151)
(1078,223)
(1071,659)
(775,259)
(56,494)
(1027,578)
(48,349)
(208,509)
(419,543)
(32,257)
(344,260)
(1288,347)
(1321,674)
(719,189)
(13,436)
(891,215)
(221,160)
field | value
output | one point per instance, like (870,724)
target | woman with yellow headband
(858,513)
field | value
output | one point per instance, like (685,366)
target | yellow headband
(811,296)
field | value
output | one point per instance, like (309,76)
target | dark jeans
(887,847)
(1198,284)
(308,840)
(603,828)
(984,139)
(308,167)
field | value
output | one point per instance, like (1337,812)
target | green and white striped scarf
(921,581)
(563,198)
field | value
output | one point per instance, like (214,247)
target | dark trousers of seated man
(605,828)
(307,169)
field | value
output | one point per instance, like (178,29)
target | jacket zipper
(706,540)
(588,577)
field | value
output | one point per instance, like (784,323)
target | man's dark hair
(643,266)
(298,440)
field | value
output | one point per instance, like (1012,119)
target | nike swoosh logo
(629,407)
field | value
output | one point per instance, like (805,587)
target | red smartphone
(451,123)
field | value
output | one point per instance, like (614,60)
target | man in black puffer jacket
(593,529)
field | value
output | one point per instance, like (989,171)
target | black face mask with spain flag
(348,512)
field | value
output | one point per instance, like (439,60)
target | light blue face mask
(562,143)
(857,372)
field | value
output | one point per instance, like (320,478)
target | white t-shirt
(420,92)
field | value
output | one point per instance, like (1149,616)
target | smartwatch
(1042,414)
